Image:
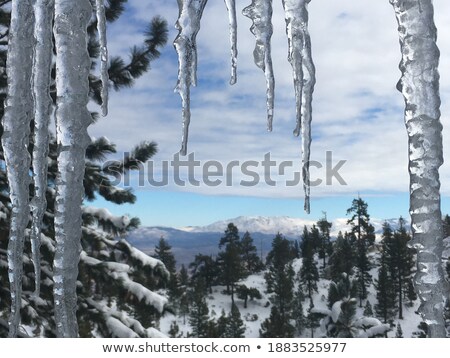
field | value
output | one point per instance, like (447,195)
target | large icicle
(188,25)
(72,120)
(419,85)
(101,27)
(260,12)
(42,100)
(231,7)
(15,140)
(300,57)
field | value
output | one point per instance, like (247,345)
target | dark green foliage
(199,312)
(342,289)
(386,296)
(368,311)
(235,326)
(229,259)
(309,275)
(363,234)
(399,261)
(280,282)
(297,311)
(276,326)
(325,247)
(342,259)
(163,252)
(244,293)
(204,267)
(249,254)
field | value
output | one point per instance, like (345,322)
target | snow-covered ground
(258,310)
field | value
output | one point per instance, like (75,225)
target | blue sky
(357,113)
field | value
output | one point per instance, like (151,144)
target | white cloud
(357,112)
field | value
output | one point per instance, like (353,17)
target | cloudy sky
(357,114)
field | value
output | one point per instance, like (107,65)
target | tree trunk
(419,85)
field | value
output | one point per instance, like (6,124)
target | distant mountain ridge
(188,241)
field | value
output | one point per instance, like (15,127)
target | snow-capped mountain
(188,241)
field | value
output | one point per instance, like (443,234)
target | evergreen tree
(364,235)
(325,240)
(183,301)
(280,282)
(113,275)
(244,293)
(204,267)
(249,254)
(386,297)
(230,263)
(235,327)
(276,326)
(222,324)
(199,311)
(297,311)
(368,311)
(399,259)
(342,320)
(342,258)
(312,321)
(163,252)
(309,275)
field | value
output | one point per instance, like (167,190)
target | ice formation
(419,85)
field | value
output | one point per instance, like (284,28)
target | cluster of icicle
(260,12)
(30,53)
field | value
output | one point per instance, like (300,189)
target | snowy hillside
(258,310)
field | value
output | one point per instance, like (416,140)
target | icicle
(419,85)
(72,120)
(260,12)
(15,140)
(231,7)
(188,25)
(300,57)
(101,26)
(41,88)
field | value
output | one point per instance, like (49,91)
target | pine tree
(276,326)
(249,254)
(244,293)
(364,234)
(235,327)
(163,252)
(204,267)
(342,259)
(297,311)
(230,263)
(199,312)
(280,282)
(368,311)
(309,275)
(112,273)
(325,240)
(222,324)
(386,296)
(399,259)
